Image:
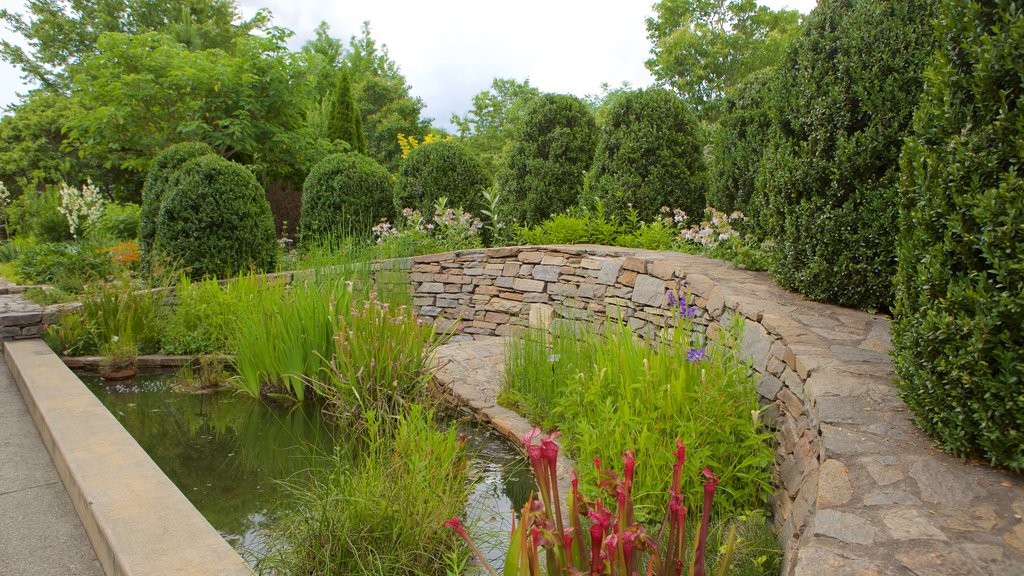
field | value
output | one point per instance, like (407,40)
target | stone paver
(40,533)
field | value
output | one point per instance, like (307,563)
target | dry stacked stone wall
(500,290)
(858,488)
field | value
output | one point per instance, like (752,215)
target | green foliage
(215,220)
(385,513)
(345,194)
(550,147)
(60,35)
(486,127)
(113,314)
(441,169)
(67,266)
(159,181)
(958,332)
(605,389)
(848,88)
(244,103)
(743,133)
(345,122)
(448,229)
(284,338)
(203,319)
(649,155)
(118,222)
(34,150)
(37,215)
(380,90)
(702,48)
(381,360)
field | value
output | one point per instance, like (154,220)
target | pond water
(228,453)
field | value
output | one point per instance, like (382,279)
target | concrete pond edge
(137,520)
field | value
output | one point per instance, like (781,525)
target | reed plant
(284,335)
(112,312)
(605,388)
(383,511)
(381,359)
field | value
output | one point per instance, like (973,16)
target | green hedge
(215,220)
(444,168)
(744,132)
(848,89)
(345,194)
(958,331)
(649,155)
(550,149)
(158,182)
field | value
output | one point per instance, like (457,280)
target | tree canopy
(702,47)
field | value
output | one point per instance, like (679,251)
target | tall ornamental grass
(384,513)
(604,388)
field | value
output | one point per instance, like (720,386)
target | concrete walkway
(40,534)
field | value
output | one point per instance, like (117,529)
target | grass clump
(384,512)
(605,389)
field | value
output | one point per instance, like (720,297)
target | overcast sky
(451,49)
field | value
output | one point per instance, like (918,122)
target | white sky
(451,49)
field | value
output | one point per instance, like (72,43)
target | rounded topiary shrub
(847,92)
(649,155)
(345,194)
(158,182)
(215,220)
(958,329)
(550,149)
(743,134)
(437,169)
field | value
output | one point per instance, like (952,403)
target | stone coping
(138,521)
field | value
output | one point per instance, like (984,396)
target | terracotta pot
(120,374)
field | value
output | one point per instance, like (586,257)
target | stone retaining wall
(858,488)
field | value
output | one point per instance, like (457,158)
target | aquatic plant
(383,513)
(605,387)
(618,544)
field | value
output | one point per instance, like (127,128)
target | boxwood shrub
(550,149)
(848,89)
(158,182)
(443,168)
(958,331)
(744,132)
(649,155)
(215,220)
(345,194)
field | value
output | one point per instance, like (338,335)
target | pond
(229,453)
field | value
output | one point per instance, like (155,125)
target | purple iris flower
(688,312)
(696,355)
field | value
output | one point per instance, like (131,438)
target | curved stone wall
(859,490)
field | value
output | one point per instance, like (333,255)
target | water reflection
(229,453)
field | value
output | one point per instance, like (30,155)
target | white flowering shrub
(716,228)
(81,208)
(448,229)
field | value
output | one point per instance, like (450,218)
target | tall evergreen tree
(345,124)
